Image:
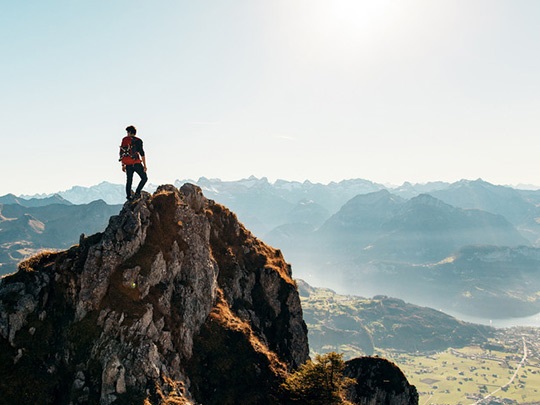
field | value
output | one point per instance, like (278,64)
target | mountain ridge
(254,198)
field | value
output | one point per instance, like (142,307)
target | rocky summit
(174,303)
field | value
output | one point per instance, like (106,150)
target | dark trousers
(139,169)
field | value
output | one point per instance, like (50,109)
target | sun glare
(358,15)
(342,28)
(356,20)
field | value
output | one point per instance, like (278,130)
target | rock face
(175,302)
(379,382)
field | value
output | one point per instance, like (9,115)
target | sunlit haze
(389,91)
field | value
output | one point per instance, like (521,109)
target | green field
(466,375)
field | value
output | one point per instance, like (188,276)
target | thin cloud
(205,122)
(285,137)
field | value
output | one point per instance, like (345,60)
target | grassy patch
(459,376)
(38,260)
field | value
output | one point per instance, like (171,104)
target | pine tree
(320,382)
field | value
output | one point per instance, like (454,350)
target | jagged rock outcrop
(378,382)
(175,302)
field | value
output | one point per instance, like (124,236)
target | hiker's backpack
(128,154)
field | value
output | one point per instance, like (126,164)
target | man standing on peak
(133,161)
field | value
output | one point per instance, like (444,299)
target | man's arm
(143,158)
(141,152)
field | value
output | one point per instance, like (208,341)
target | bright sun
(338,27)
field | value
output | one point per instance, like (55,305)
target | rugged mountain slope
(174,303)
(174,300)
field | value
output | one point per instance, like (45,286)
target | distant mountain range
(263,205)
(27,227)
(110,193)
(361,237)
(420,230)
(34,202)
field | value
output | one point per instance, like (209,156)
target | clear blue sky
(390,91)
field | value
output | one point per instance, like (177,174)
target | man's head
(131,130)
